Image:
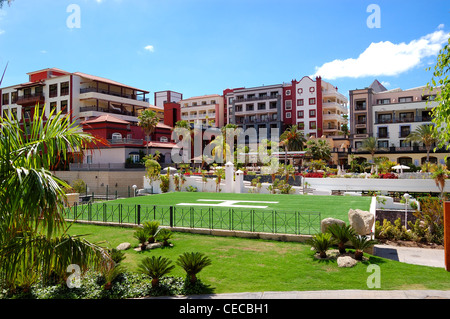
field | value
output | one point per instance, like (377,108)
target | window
(116,136)
(64,88)
(288,115)
(405,143)
(361,119)
(301,125)
(406,117)
(300,102)
(405,99)
(312,89)
(64,107)
(14,97)
(262,95)
(5,99)
(203,102)
(360,105)
(249,107)
(312,125)
(312,101)
(405,131)
(89,159)
(273,94)
(300,114)
(288,104)
(213,101)
(53,90)
(383,144)
(27,92)
(383,101)
(288,92)
(312,113)
(163,139)
(134,158)
(384,118)
(383,132)
(261,106)
(273,105)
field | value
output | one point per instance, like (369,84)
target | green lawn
(290,214)
(249,265)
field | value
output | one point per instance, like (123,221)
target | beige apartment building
(206,110)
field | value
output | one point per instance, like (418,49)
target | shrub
(360,243)
(79,186)
(342,234)
(165,183)
(321,242)
(164,235)
(151,230)
(193,263)
(141,235)
(155,268)
(116,255)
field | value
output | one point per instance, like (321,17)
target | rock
(154,245)
(361,221)
(327,222)
(123,246)
(346,261)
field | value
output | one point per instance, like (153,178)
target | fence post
(138,217)
(171,216)
(447,235)
(104,212)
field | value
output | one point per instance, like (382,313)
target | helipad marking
(228,203)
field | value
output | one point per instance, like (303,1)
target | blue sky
(201,47)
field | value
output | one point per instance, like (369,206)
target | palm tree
(148,120)
(440,174)
(370,145)
(33,231)
(193,263)
(360,243)
(155,268)
(321,242)
(151,228)
(342,234)
(293,140)
(319,149)
(425,134)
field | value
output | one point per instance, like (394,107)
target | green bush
(321,242)
(155,268)
(165,183)
(193,263)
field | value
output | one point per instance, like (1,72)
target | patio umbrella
(400,167)
(170,169)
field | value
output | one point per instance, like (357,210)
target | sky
(199,47)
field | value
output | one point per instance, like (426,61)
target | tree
(440,174)
(34,243)
(5,1)
(441,112)
(318,149)
(425,134)
(293,140)
(153,170)
(370,145)
(148,120)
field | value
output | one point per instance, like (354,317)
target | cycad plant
(341,233)
(155,268)
(321,242)
(141,235)
(193,263)
(164,235)
(360,243)
(151,228)
(33,231)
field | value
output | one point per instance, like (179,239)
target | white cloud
(150,48)
(385,83)
(385,58)
(2,31)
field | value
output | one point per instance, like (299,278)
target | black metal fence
(251,220)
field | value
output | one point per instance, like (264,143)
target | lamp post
(406,196)
(134,190)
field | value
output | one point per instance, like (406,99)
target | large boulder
(123,246)
(327,222)
(361,221)
(346,262)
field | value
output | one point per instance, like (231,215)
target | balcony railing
(131,141)
(127,96)
(257,98)
(404,120)
(31,98)
(105,110)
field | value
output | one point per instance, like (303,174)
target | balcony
(404,120)
(128,141)
(92,93)
(257,98)
(31,99)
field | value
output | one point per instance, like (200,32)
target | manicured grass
(248,265)
(289,214)
(328,206)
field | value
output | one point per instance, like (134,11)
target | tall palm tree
(293,140)
(370,145)
(148,120)
(319,149)
(34,242)
(426,134)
